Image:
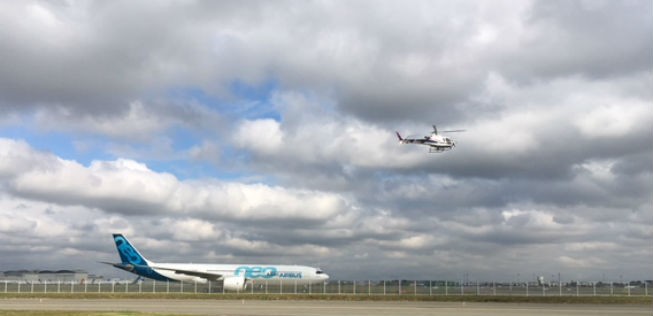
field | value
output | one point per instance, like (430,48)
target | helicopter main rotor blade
(453,131)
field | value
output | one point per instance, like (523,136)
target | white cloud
(190,229)
(614,121)
(9,223)
(315,136)
(262,136)
(127,186)
(17,156)
(136,123)
(531,219)
(585,262)
(416,242)
(266,248)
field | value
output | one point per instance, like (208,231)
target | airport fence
(341,287)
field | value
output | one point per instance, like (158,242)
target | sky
(263,132)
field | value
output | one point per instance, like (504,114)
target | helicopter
(436,142)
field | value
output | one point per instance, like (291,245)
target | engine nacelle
(234,283)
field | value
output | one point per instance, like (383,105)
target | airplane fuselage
(233,276)
(260,273)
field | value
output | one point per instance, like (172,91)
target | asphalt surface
(253,307)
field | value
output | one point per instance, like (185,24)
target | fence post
(577,288)
(430,288)
(446,288)
(478,289)
(154,286)
(384,292)
(415,287)
(5,286)
(462,288)
(369,287)
(526,288)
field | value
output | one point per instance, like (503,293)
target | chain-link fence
(391,287)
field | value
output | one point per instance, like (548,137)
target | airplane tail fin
(128,253)
(399,136)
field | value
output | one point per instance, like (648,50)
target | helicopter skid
(438,150)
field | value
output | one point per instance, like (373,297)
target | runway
(326,308)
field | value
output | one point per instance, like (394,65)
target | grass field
(70,313)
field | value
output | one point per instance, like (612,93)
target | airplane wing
(201,274)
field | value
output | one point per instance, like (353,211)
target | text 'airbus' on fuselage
(235,277)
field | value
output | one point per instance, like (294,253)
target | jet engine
(234,283)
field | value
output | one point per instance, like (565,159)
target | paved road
(326,308)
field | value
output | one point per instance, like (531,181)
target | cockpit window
(319,272)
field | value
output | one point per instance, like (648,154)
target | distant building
(42,276)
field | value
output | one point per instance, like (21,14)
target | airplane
(235,277)
(436,142)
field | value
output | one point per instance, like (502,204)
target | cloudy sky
(263,132)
